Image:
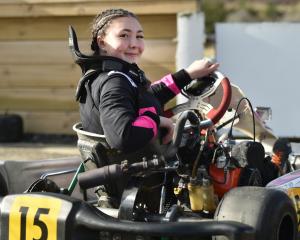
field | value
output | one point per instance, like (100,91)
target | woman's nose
(133,43)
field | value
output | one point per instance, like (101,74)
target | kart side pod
(60,217)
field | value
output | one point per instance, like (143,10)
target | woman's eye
(140,37)
(124,35)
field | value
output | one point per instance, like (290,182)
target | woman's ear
(100,42)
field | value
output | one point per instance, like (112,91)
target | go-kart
(207,183)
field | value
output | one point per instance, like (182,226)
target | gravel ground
(37,147)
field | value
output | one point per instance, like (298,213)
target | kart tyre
(11,128)
(3,186)
(269,211)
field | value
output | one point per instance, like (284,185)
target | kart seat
(96,152)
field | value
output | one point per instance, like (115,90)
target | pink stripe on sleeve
(146,122)
(169,82)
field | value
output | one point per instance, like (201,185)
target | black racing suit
(127,114)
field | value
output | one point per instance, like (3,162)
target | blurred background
(255,42)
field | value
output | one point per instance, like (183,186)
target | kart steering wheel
(197,102)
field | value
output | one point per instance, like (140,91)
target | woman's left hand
(168,125)
(201,68)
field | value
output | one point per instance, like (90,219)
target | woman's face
(124,39)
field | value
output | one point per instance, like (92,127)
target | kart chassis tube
(93,219)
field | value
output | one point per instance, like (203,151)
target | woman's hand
(201,68)
(167,125)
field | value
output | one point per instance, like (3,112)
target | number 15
(37,222)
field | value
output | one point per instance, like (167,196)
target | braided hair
(102,21)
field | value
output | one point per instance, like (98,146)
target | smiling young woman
(118,101)
(128,113)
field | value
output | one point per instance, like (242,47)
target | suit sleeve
(169,86)
(126,127)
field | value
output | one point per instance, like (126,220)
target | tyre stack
(11,128)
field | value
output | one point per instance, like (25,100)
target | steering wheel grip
(216,114)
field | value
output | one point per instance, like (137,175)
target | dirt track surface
(39,147)
(30,151)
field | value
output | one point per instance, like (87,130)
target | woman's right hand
(201,68)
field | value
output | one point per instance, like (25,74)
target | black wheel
(11,128)
(3,186)
(269,211)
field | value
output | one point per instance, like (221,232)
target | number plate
(33,216)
